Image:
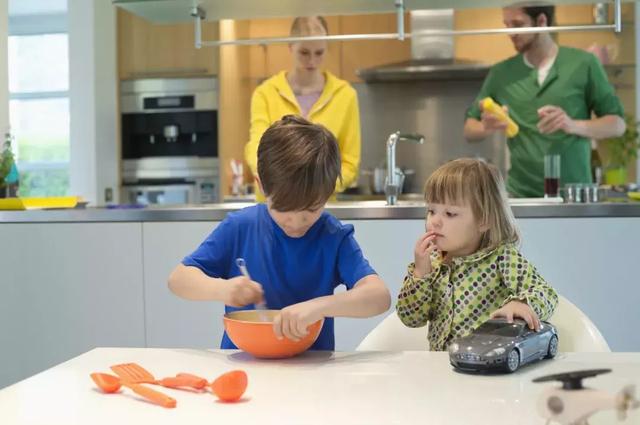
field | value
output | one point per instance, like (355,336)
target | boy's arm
(414,301)
(368,297)
(527,285)
(191,283)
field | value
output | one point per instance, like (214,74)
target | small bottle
(492,107)
(596,164)
(9,170)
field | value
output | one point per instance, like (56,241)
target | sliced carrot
(230,386)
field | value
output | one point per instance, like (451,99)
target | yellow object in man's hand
(492,107)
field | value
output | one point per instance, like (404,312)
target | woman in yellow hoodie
(315,94)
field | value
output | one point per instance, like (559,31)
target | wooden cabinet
(154,50)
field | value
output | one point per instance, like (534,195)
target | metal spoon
(260,305)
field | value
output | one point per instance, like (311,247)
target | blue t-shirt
(290,270)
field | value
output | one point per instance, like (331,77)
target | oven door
(169,194)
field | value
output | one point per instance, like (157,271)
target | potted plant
(620,152)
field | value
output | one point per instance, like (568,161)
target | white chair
(575,330)
(392,335)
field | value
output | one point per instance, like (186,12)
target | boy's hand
(422,254)
(518,309)
(241,291)
(292,322)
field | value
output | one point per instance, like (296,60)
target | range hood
(432,57)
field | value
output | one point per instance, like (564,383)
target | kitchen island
(315,388)
(72,280)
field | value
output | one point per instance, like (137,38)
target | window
(39,99)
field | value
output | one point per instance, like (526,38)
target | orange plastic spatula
(110,384)
(133,372)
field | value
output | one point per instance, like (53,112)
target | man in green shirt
(551,92)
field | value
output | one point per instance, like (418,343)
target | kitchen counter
(355,210)
(371,388)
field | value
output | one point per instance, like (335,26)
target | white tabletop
(315,388)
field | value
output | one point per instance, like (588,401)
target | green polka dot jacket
(459,295)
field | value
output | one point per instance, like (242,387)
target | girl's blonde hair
(475,183)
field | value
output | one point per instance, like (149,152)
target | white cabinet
(172,321)
(66,288)
(576,255)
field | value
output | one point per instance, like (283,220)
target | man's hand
(240,291)
(521,310)
(491,122)
(422,254)
(292,322)
(554,118)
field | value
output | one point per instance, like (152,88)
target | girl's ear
(483,227)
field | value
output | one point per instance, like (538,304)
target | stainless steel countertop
(364,210)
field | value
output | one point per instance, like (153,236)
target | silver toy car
(498,345)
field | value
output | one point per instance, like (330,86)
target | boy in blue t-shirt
(296,253)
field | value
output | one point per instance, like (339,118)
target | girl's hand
(292,322)
(241,291)
(518,309)
(422,254)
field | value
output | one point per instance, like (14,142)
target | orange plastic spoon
(136,374)
(110,384)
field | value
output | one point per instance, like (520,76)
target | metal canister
(591,193)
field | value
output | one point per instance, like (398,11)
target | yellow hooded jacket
(336,109)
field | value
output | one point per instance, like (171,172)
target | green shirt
(577,83)
(458,296)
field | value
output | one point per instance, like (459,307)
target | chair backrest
(392,335)
(576,332)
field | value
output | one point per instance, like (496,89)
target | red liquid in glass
(551,187)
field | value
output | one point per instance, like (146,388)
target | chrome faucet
(395,178)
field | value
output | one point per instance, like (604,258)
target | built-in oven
(170,141)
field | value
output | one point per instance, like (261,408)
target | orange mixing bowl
(252,331)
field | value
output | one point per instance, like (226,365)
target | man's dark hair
(298,164)
(535,11)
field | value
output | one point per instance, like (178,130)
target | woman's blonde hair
(479,185)
(309,26)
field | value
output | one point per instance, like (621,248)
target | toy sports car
(498,345)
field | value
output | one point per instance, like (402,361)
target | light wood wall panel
(235,96)
(364,53)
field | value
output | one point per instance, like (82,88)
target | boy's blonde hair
(479,185)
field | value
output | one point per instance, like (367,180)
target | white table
(315,388)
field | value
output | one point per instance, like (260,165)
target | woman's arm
(259,124)
(350,145)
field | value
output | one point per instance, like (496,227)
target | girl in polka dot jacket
(467,266)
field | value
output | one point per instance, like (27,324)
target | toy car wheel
(553,347)
(513,360)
